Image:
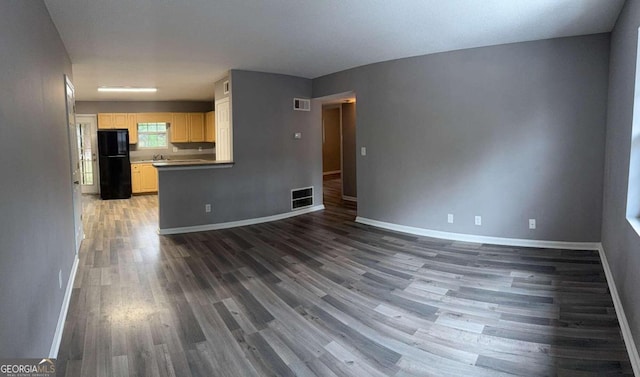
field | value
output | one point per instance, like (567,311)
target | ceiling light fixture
(126,89)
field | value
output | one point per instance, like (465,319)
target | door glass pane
(85,154)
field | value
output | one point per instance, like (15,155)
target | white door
(75,163)
(224,138)
(87,152)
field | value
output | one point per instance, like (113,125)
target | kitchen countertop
(190,164)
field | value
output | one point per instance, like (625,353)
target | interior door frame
(338,106)
(340,98)
(93,119)
(74,162)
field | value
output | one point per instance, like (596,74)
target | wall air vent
(301,197)
(302,104)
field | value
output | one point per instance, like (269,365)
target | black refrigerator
(115,167)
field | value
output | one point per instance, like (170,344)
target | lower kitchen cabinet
(136,179)
(144,178)
(149,178)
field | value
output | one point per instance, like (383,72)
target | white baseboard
(349,198)
(57,336)
(632,350)
(233,224)
(480,239)
(331,172)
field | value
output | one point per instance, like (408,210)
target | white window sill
(635,224)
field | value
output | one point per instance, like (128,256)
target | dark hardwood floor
(320,295)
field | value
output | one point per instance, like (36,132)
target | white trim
(331,172)
(480,239)
(635,224)
(57,336)
(622,318)
(349,198)
(233,224)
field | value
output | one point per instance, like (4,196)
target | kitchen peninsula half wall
(269,164)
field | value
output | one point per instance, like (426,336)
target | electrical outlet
(60,278)
(207,208)
(363,151)
(478,220)
(532,223)
(175,149)
(450,218)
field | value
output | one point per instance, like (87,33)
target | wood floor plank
(321,295)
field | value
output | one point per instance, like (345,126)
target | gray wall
(94,107)
(269,162)
(349,185)
(621,243)
(36,221)
(507,132)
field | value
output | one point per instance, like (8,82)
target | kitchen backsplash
(178,149)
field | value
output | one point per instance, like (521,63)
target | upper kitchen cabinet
(179,128)
(187,127)
(155,117)
(132,125)
(108,120)
(210,127)
(112,120)
(196,127)
(120,120)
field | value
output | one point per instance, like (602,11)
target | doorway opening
(339,151)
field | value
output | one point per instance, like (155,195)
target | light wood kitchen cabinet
(196,127)
(112,120)
(210,127)
(148,178)
(179,128)
(144,178)
(120,120)
(132,125)
(185,127)
(136,179)
(155,117)
(105,121)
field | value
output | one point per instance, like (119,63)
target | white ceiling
(182,47)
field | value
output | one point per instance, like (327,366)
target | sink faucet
(157,157)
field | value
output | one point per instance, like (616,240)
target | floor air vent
(301,198)
(302,104)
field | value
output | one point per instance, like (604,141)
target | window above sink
(152,135)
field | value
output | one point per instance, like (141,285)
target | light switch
(363,151)
(297,135)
